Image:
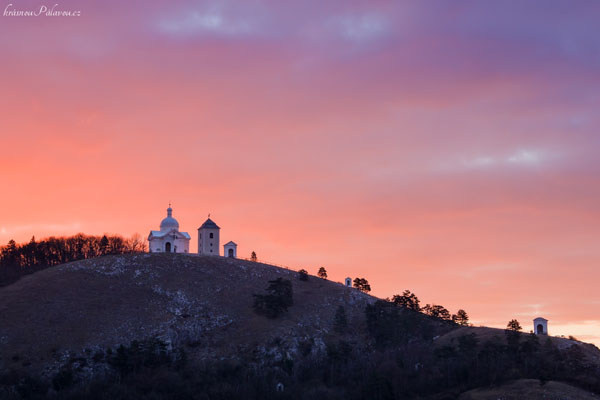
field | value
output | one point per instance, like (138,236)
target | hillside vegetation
(184,326)
(530,389)
(201,301)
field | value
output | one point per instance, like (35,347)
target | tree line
(17,260)
(406,300)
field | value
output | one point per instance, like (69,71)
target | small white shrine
(540,326)
(168,239)
(230,249)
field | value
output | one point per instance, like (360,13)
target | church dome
(169,222)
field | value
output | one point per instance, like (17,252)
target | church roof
(230,242)
(209,224)
(162,234)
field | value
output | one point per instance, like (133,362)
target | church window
(211,243)
(211,235)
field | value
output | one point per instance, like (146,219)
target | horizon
(447,149)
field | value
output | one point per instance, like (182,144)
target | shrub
(277,300)
(303,275)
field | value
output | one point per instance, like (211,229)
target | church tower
(208,238)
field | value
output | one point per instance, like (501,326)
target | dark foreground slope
(530,389)
(182,326)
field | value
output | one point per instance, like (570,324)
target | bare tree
(136,244)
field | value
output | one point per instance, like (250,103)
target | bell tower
(208,238)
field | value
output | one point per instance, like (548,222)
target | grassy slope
(181,298)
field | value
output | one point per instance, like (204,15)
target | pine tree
(461,318)
(103,245)
(362,284)
(322,273)
(408,300)
(277,300)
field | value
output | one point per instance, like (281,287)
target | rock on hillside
(201,302)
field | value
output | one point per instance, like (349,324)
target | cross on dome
(169,222)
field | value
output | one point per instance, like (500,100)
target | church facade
(169,239)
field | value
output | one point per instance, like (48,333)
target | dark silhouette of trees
(513,337)
(340,323)
(383,322)
(277,300)
(103,245)
(148,353)
(437,311)
(461,318)
(362,284)
(17,260)
(390,324)
(513,325)
(408,300)
(408,368)
(253,257)
(303,275)
(322,273)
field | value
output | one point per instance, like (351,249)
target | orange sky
(449,149)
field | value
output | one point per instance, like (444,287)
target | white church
(170,240)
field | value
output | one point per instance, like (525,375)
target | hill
(139,324)
(531,389)
(201,301)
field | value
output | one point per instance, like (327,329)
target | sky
(445,147)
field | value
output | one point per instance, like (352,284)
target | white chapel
(168,239)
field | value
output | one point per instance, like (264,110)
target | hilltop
(82,322)
(204,302)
